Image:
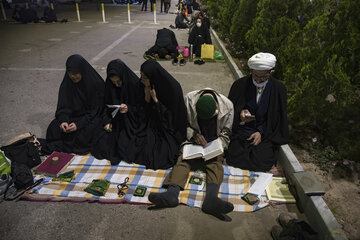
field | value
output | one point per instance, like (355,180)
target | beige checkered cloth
(87,168)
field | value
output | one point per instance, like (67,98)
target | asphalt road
(32,66)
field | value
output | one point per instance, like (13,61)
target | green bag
(218,55)
(5,167)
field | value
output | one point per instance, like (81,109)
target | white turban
(262,61)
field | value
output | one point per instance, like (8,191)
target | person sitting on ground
(49,15)
(196,5)
(165,45)
(198,36)
(78,117)
(25,15)
(122,88)
(260,122)
(210,116)
(161,120)
(181,20)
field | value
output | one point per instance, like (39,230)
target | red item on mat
(54,164)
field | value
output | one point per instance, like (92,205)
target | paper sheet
(260,184)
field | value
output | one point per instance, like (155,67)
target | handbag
(207,51)
(23,149)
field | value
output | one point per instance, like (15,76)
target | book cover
(278,191)
(54,164)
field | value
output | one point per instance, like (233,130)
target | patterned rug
(87,168)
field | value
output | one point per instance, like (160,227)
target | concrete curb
(317,212)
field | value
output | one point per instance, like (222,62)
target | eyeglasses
(122,187)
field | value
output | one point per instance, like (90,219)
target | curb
(314,207)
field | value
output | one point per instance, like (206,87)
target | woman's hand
(123,108)
(64,126)
(72,128)
(108,127)
(153,95)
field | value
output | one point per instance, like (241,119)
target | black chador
(123,124)
(271,122)
(80,104)
(162,125)
(199,36)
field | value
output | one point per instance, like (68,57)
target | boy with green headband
(210,116)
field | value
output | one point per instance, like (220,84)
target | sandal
(182,62)
(175,61)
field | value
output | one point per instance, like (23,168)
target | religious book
(211,150)
(54,164)
(278,191)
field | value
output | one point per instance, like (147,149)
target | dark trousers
(180,172)
(161,6)
(197,45)
(144,5)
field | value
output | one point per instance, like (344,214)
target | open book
(211,150)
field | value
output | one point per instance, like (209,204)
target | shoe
(284,219)
(182,62)
(175,61)
(276,231)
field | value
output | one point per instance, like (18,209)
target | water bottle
(191,51)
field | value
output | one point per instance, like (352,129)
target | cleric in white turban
(260,121)
(262,61)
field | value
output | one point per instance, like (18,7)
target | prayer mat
(147,57)
(87,168)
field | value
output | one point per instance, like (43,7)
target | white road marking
(25,50)
(88,26)
(74,32)
(54,39)
(114,44)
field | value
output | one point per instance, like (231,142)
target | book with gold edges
(54,164)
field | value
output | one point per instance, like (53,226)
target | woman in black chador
(162,119)
(78,117)
(199,35)
(122,96)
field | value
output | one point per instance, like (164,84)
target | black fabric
(25,15)
(23,152)
(123,125)
(276,132)
(208,128)
(80,103)
(196,6)
(49,15)
(166,39)
(21,175)
(162,126)
(199,36)
(258,109)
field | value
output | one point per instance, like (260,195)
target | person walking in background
(144,5)
(162,4)
(167,4)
